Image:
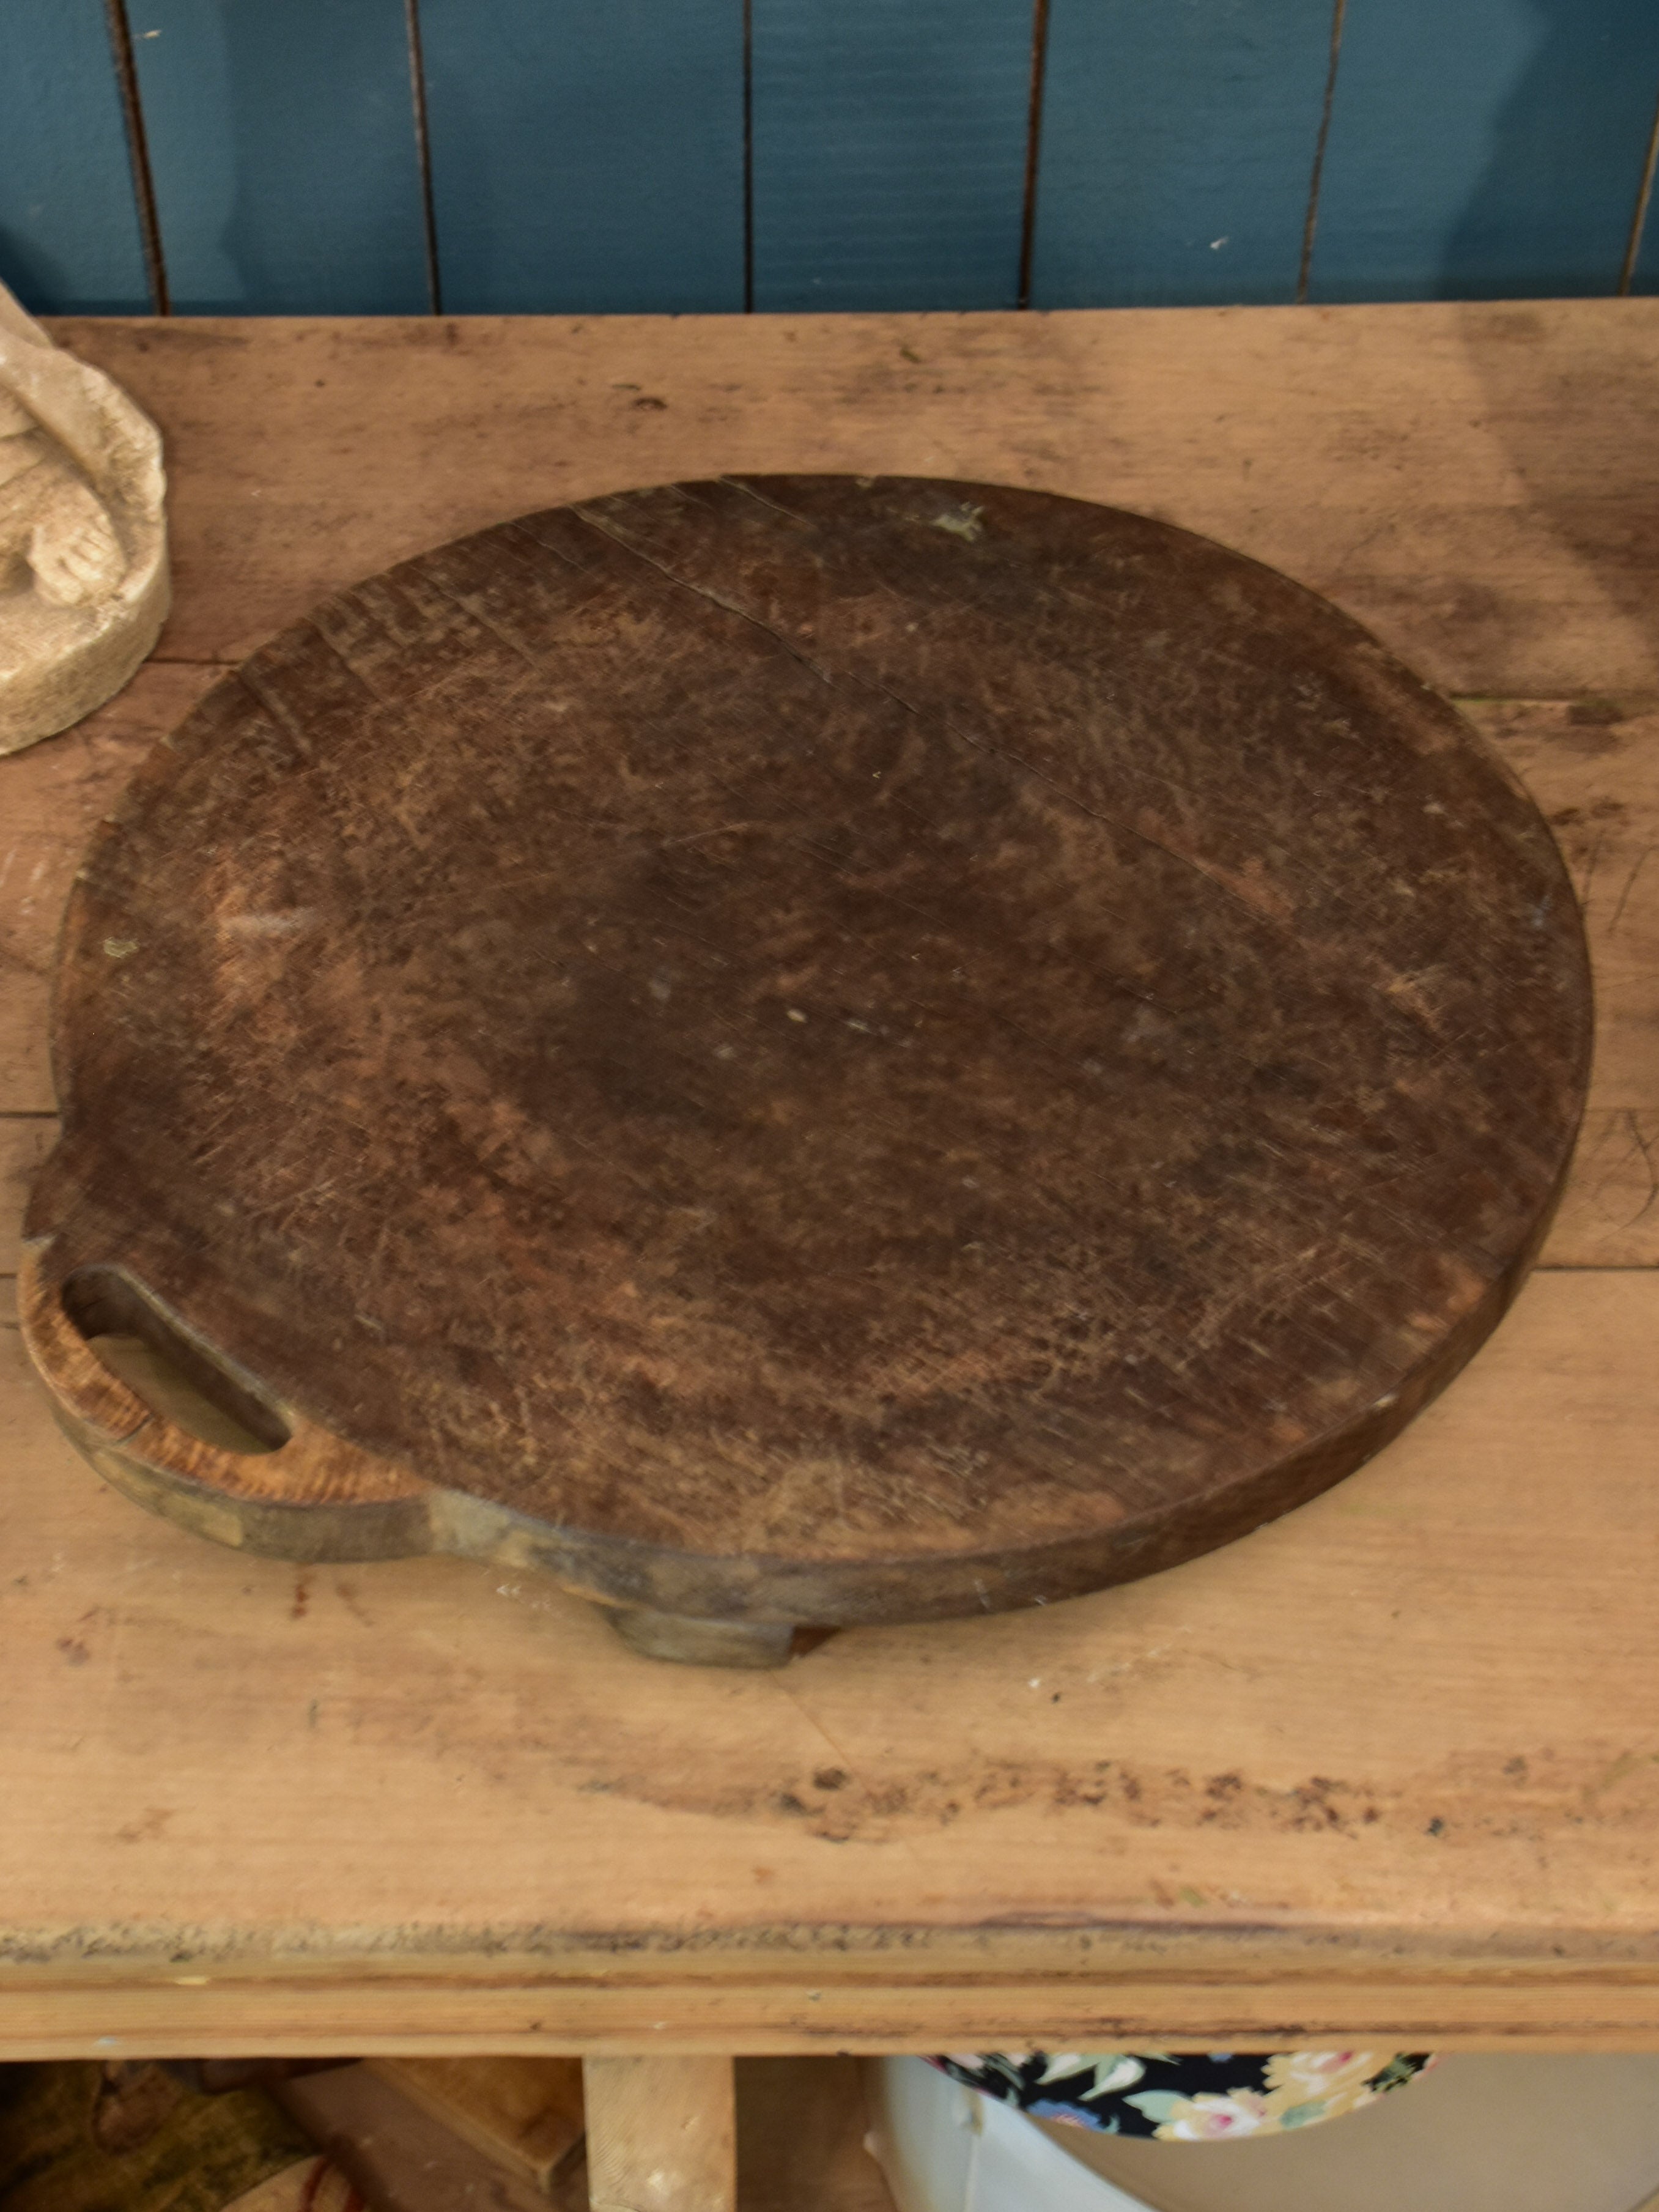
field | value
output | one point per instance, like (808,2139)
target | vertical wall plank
(1484,149)
(281,142)
(586,155)
(1643,244)
(69,228)
(889,152)
(1177,149)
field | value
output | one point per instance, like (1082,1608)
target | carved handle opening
(177,1375)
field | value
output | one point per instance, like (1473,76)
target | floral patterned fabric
(1179,2098)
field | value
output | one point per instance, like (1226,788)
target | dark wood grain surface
(847,1050)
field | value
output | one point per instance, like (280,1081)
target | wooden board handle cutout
(196,1439)
(172,1422)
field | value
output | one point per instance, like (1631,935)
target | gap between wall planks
(70,232)
(586,157)
(283,155)
(511,156)
(137,138)
(1178,151)
(1640,272)
(890,153)
(1321,146)
(1527,140)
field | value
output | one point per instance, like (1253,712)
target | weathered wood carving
(83,570)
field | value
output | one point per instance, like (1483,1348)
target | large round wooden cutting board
(804,1050)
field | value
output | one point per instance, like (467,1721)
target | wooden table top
(1389,1766)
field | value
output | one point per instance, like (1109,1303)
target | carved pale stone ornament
(83,564)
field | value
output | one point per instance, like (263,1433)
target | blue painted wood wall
(595,156)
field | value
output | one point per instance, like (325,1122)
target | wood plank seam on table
(1077,1948)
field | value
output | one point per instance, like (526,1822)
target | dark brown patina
(849,1049)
